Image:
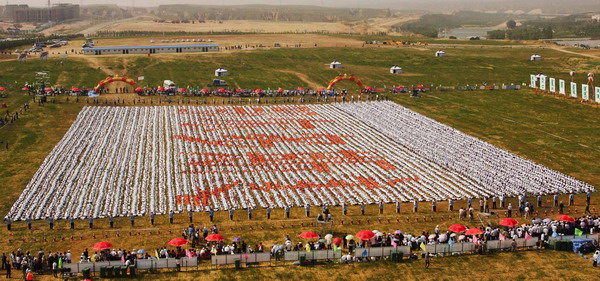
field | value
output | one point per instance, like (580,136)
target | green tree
(511,24)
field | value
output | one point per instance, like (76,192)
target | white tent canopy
(395,69)
(335,64)
(221,72)
(536,57)
(440,53)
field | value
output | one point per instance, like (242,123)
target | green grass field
(560,133)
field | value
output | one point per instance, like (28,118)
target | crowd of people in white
(122,161)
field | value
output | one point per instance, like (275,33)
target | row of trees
(522,33)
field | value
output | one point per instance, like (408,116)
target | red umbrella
(214,237)
(238,90)
(509,222)
(204,90)
(48,89)
(102,245)
(279,90)
(177,242)
(474,231)
(369,88)
(258,91)
(138,90)
(75,90)
(365,234)
(566,218)
(420,86)
(308,235)
(321,90)
(182,90)
(25,89)
(458,228)
(300,89)
(2,89)
(221,90)
(337,241)
(162,89)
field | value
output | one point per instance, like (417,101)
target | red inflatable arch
(111,79)
(345,77)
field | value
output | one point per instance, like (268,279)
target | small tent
(440,53)
(396,70)
(335,65)
(536,57)
(220,72)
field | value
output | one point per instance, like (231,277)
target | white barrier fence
(243,258)
(139,264)
(312,255)
(381,251)
(571,237)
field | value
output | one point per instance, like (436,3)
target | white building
(396,70)
(335,65)
(440,53)
(151,49)
(220,72)
(536,57)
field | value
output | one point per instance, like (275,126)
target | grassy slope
(482,114)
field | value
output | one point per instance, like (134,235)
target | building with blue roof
(159,49)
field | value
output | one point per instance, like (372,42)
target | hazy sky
(147,3)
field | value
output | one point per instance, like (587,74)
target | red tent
(566,218)
(214,237)
(177,242)
(102,245)
(458,228)
(474,231)
(365,234)
(509,222)
(308,235)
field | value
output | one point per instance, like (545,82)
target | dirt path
(94,62)
(93,29)
(303,77)
(574,53)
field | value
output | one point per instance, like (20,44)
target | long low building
(151,49)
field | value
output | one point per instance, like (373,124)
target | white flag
(585,92)
(597,94)
(573,89)
(562,87)
(533,83)
(140,78)
(543,82)
(553,85)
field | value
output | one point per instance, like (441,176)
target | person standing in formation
(287,211)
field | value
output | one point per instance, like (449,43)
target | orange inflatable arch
(115,78)
(339,78)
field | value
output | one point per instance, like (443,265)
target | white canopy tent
(335,64)
(396,70)
(440,53)
(220,72)
(536,57)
